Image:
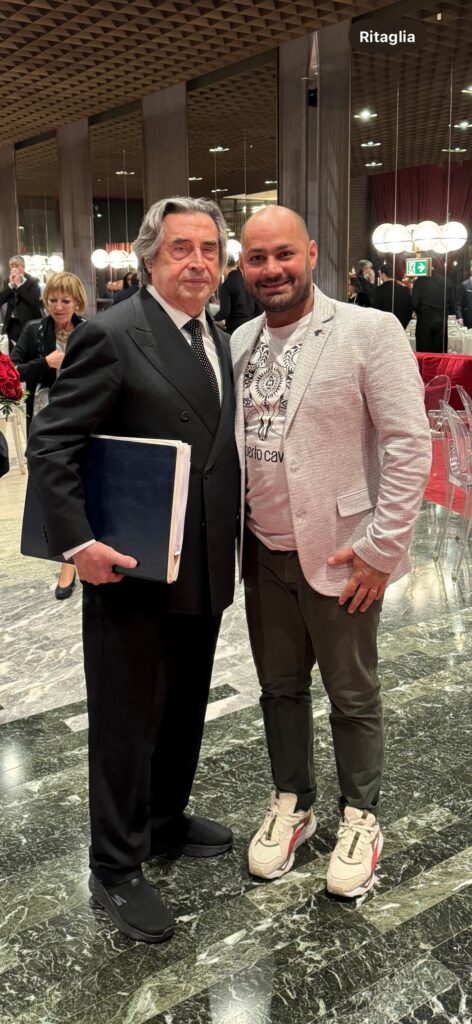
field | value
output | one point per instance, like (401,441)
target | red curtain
(422,194)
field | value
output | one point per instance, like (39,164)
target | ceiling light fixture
(365,115)
(214,190)
(423,237)
(218,149)
(468,90)
(270,181)
(370,144)
(463,125)
(374,163)
(454,149)
(126,174)
(194,178)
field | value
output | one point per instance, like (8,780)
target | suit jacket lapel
(167,351)
(315,339)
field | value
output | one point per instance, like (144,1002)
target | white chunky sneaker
(352,863)
(272,850)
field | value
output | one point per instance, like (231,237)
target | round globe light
(379,235)
(453,235)
(397,238)
(234,248)
(426,234)
(56,263)
(439,247)
(411,228)
(118,259)
(38,262)
(100,259)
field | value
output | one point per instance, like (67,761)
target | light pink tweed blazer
(356,440)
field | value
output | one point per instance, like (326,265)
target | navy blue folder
(135,499)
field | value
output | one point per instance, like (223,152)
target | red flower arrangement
(11,393)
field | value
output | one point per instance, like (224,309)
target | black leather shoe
(192,836)
(135,908)
(63,592)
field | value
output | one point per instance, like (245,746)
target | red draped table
(458,368)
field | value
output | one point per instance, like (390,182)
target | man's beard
(280,303)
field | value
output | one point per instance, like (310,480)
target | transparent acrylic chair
(436,391)
(457,451)
(466,402)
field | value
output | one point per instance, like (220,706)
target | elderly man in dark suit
(153,366)
(22,296)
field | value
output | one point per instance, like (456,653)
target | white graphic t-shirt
(266,389)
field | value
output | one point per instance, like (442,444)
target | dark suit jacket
(402,307)
(23,303)
(37,340)
(433,296)
(237,306)
(464,302)
(130,372)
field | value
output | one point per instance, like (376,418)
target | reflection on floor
(244,952)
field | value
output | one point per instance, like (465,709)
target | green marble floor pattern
(246,952)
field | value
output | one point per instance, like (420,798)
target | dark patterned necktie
(194,328)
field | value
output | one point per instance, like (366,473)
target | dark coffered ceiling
(61,61)
(66,59)
(416,97)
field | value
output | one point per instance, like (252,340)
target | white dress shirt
(179,318)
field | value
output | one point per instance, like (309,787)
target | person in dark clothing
(22,296)
(155,367)
(38,357)
(355,294)
(464,302)
(393,297)
(130,286)
(432,302)
(236,305)
(4,460)
(366,278)
(37,354)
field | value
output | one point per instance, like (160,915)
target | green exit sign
(419,268)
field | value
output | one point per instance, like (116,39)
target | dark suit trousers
(148,675)
(431,335)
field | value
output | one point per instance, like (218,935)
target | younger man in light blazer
(332,481)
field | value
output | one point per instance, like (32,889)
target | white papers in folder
(184,465)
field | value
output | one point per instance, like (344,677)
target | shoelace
(279,824)
(348,832)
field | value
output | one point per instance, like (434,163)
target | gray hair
(151,232)
(18,259)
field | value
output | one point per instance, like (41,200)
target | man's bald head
(271,216)
(277,261)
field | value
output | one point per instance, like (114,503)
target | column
(334,148)
(165,145)
(75,199)
(8,209)
(293,70)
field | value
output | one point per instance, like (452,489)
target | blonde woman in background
(38,357)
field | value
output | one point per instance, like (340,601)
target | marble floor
(244,952)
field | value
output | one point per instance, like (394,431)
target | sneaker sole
(104,901)
(359,890)
(308,833)
(192,850)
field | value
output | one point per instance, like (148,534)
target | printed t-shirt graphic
(266,390)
